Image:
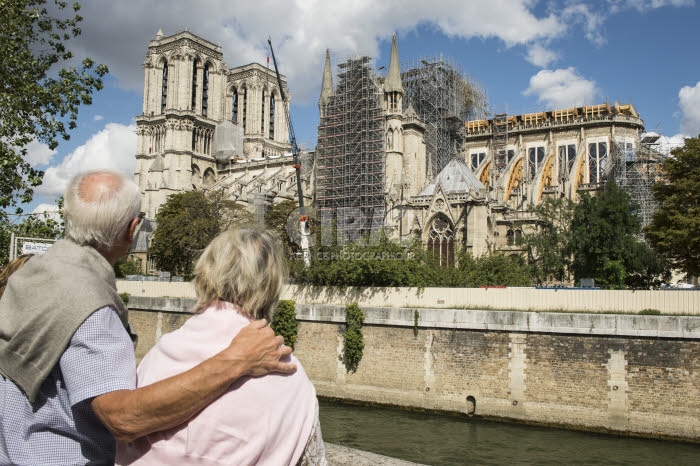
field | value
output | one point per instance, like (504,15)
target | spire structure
(393,77)
(327,83)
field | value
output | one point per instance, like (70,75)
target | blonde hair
(14,265)
(245,267)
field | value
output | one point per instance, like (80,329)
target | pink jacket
(265,420)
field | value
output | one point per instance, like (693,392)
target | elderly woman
(270,420)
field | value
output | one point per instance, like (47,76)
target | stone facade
(523,159)
(191,101)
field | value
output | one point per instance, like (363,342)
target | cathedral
(411,153)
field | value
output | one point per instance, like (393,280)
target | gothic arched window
(164,94)
(234,107)
(245,107)
(195,64)
(205,90)
(441,240)
(272,115)
(597,160)
(510,237)
(209,178)
(262,113)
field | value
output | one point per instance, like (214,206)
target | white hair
(98,208)
(245,267)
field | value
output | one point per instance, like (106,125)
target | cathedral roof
(454,178)
(392,83)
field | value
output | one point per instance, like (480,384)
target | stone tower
(189,95)
(393,105)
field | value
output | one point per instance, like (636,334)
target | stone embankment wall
(516,299)
(631,374)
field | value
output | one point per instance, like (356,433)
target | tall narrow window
(234,107)
(535,157)
(193,105)
(164,96)
(567,155)
(262,114)
(441,241)
(245,108)
(205,90)
(272,116)
(597,160)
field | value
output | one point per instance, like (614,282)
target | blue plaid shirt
(60,428)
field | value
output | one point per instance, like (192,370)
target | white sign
(35,248)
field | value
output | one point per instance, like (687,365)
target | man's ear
(132,229)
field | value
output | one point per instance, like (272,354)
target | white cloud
(562,88)
(301,30)
(38,154)
(668,143)
(98,118)
(592,22)
(689,101)
(113,147)
(645,5)
(49,210)
(541,56)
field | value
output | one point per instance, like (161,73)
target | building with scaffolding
(410,153)
(381,140)
(523,159)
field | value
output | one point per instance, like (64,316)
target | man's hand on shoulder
(259,351)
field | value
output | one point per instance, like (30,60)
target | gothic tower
(182,102)
(190,95)
(393,101)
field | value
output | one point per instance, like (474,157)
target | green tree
(276,219)
(127,266)
(546,247)
(38,99)
(675,227)
(605,242)
(497,269)
(284,322)
(353,341)
(187,222)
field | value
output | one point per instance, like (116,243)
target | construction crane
(303,218)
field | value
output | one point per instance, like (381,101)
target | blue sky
(528,55)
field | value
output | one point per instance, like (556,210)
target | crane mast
(303,219)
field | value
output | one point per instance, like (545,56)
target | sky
(527,55)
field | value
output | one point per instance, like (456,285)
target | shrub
(649,312)
(284,322)
(125,298)
(353,341)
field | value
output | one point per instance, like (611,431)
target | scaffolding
(444,98)
(350,153)
(500,141)
(635,168)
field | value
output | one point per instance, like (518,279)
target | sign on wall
(35,248)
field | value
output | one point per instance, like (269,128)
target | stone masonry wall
(637,375)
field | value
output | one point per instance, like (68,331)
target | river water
(444,440)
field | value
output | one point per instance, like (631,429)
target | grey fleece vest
(44,304)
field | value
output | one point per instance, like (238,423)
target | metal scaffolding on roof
(350,154)
(636,166)
(444,98)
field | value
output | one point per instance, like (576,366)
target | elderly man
(66,357)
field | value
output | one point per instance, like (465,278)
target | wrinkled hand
(259,351)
